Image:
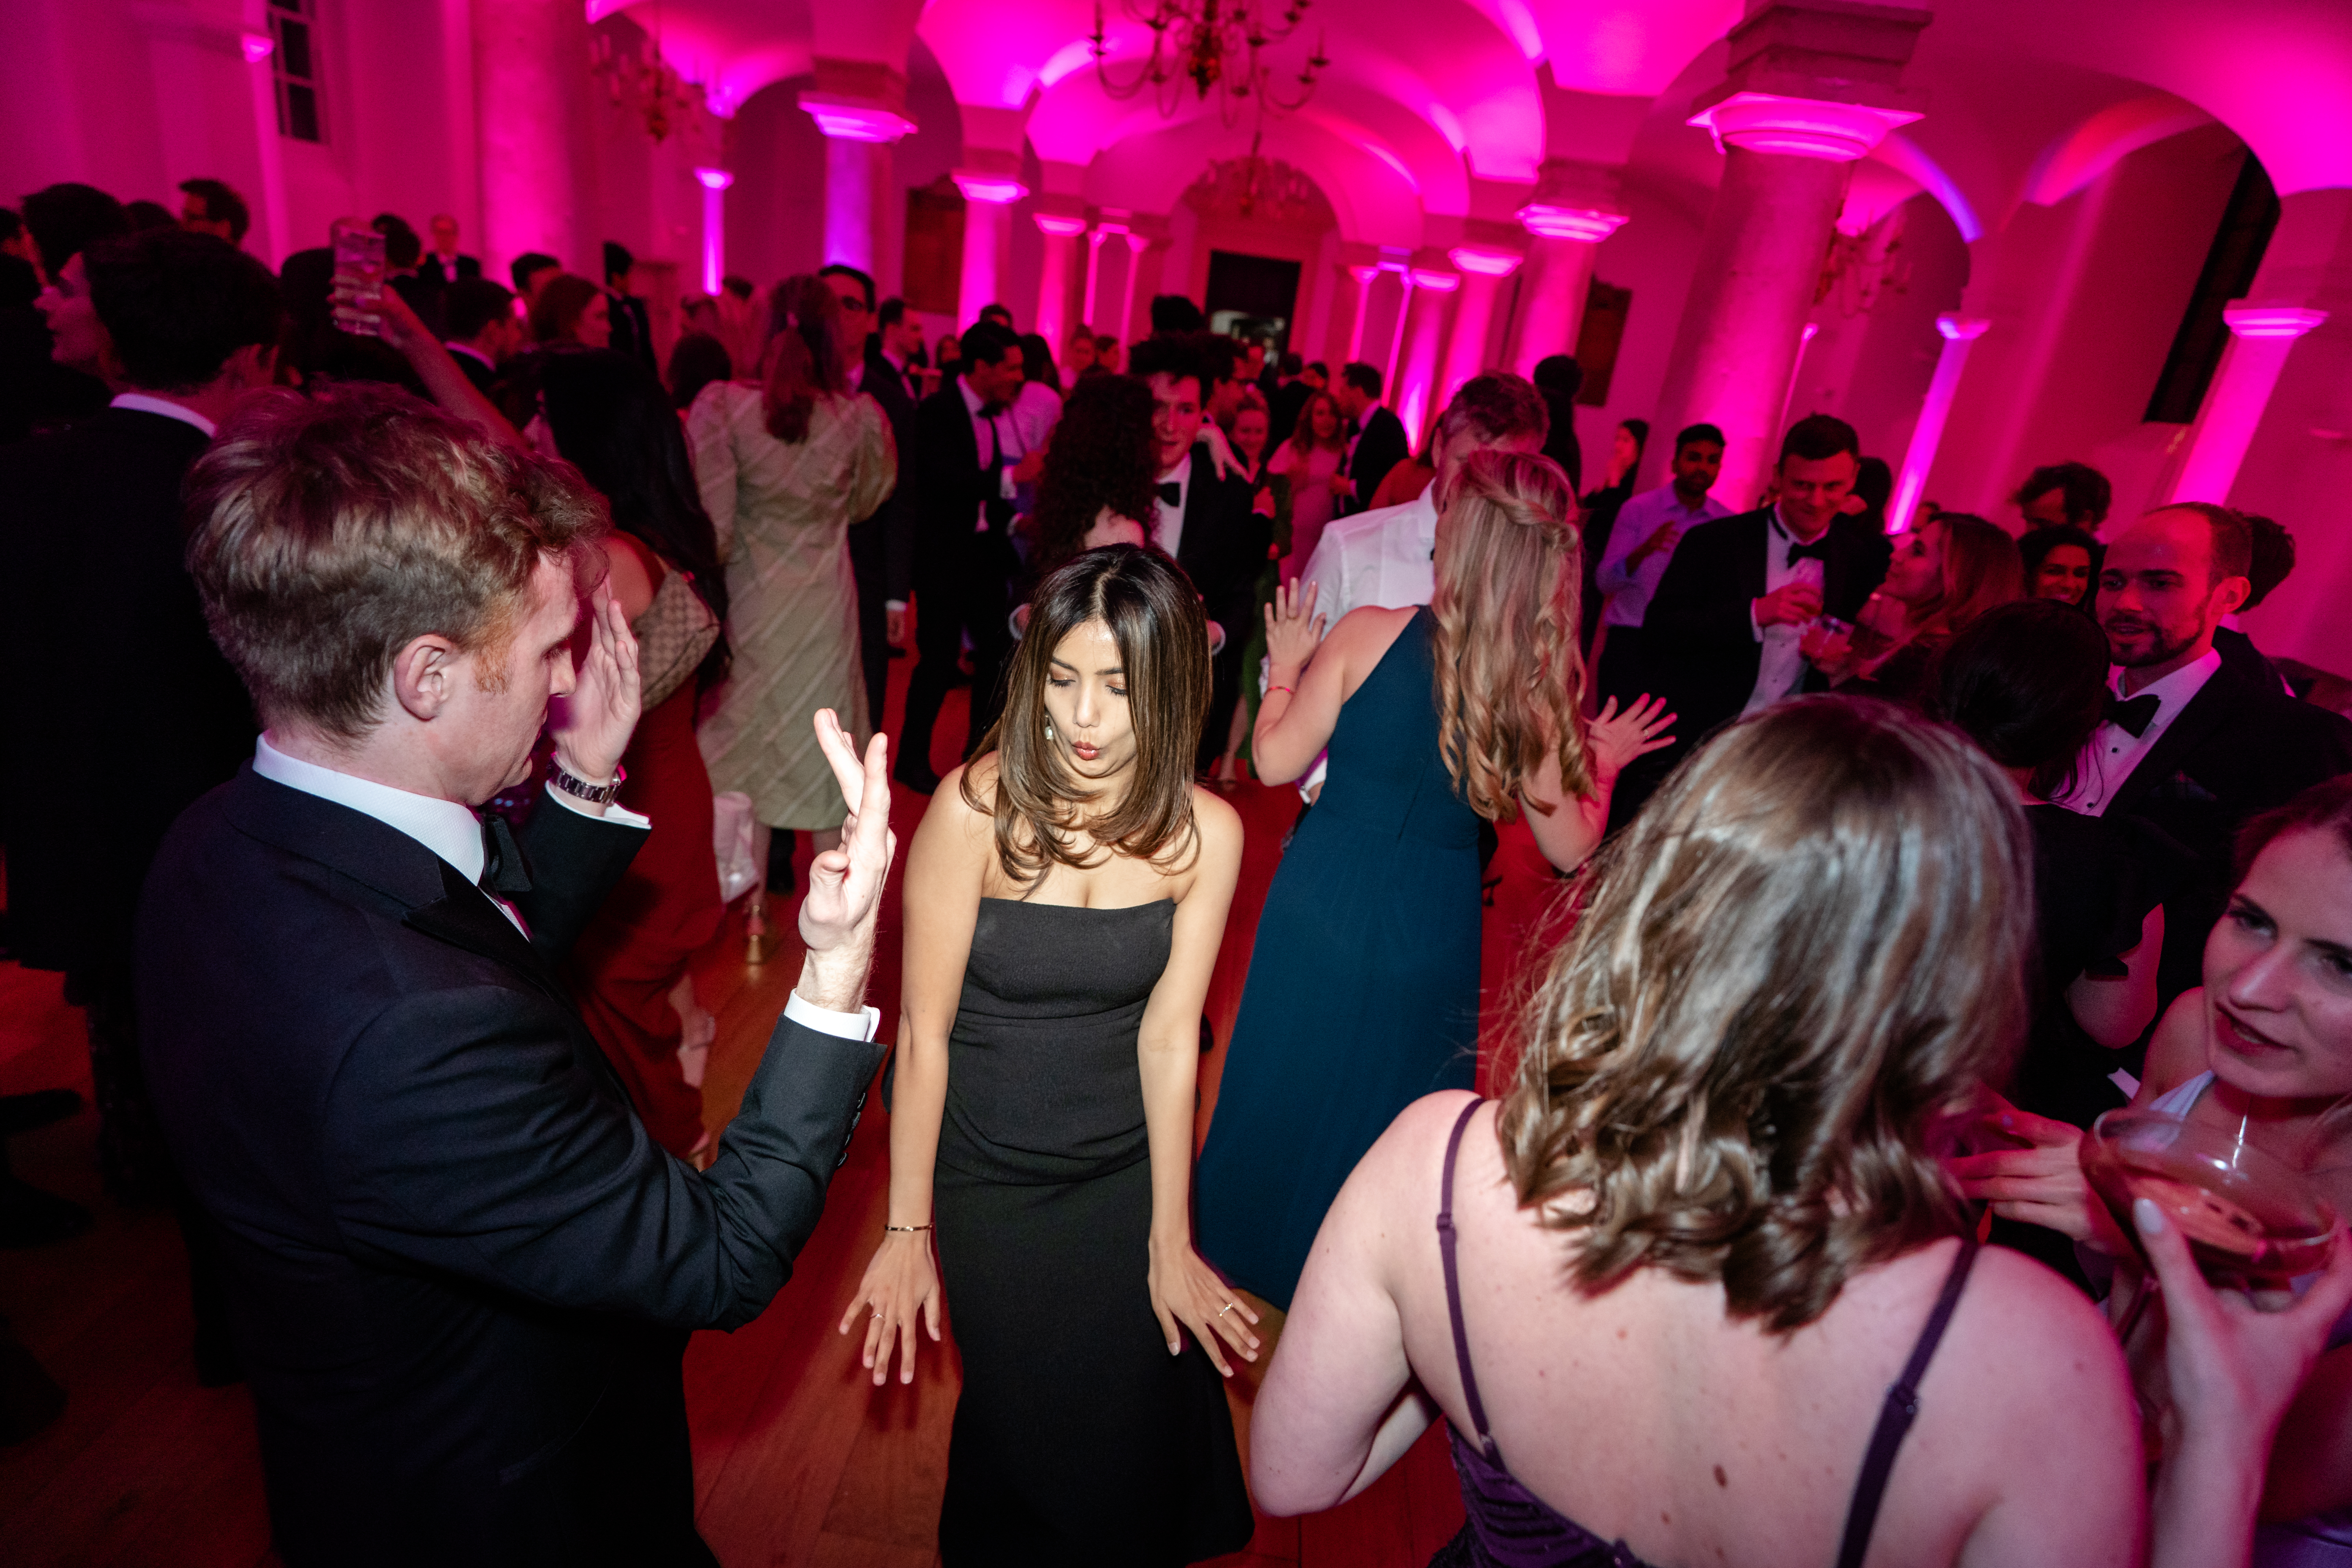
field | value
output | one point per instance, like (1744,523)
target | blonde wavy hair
(1509,677)
(1791,976)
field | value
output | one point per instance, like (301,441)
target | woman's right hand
(901,1283)
(2041,1184)
(1292,627)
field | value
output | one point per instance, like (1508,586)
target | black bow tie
(2133,716)
(990,410)
(1173,492)
(504,870)
(1818,549)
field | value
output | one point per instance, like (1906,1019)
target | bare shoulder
(955,814)
(2175,1052)
(634,572)
(1219,824)
(2041,1333)
(1407,1156)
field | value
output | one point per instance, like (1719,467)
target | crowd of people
(372,693)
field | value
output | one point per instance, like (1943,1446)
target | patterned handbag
(673,634)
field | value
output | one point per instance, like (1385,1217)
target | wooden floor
(798,1460)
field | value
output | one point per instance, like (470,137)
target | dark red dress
(625,965)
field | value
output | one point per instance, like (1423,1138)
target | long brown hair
(1982,567)
(1155,618)
(1302,435)
(1103,454)
(1790,977)
(563,300)
(804,354)
(1509,677)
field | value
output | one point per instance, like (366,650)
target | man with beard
(2188,744)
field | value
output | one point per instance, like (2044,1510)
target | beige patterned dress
(783,513)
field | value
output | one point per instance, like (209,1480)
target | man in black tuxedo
(482,331)
(1214,525)
(962,463)
(1285,398)
(1379,442)
(1721,636)
(885,562)
(633,326)
(2190,744)
(461,1274)
(443,265)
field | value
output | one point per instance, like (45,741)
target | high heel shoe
(758,945)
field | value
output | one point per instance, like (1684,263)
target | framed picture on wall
(934,246)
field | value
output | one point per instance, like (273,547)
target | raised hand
(1186,1291)
(601,711)
(844,887)
(1614,739)
(902,1285)
(1292,627)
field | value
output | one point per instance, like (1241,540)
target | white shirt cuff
(861,1025)
(1753,625)
(894,604)
(614,812)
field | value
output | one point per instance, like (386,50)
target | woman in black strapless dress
(1065,899)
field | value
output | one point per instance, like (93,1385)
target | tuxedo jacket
(433,269)
(2239,748)
(1222,547)
(460,1275)
(1381,448)
(633,328)
(950,489)
(118,711)
(896,519)
(1698,639)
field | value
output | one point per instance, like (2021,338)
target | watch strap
(578,788)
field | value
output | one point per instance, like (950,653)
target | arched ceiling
(1428,102)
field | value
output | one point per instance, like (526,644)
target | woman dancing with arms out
(1065,899)
(1706,1242)
(1363,990)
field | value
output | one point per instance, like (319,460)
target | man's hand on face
(601,712)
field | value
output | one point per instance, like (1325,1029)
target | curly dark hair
(1103,456)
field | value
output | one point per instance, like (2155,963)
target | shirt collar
(144,404)
(471,352)
(1424,514)
(450,830)
(1180,476)
(971,400)
(2174,690)
(896,362)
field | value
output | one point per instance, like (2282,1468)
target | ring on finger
(1227,1308)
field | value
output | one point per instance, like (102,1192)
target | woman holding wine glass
(2261,1053)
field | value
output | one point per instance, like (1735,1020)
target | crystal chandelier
(646,84)
(1218,46)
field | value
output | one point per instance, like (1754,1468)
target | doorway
(1253,298)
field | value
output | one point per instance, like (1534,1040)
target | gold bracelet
(906,1228)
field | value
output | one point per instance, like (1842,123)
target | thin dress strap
(1894,1418)
(1453,1287)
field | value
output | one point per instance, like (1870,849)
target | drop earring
(1049,728)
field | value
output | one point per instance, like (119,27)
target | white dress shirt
(2113,751)
(1383,557)
(1779,668)
(1034,411)
(144,404)
(1638,521)
(452,831)
(471,352)
(1168,522)
(995,436)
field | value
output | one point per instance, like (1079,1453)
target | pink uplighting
(2271,321)
(1439,282)
(853,121)
(1586,224)
(2251,367)
(1959,333)
(1484,263)
(714,182)
(1799,127)
(714,179)
(995,188)
(257,48)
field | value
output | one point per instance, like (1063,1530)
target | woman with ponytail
(785,465)
(1363,993)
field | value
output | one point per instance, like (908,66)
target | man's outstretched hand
(844,889)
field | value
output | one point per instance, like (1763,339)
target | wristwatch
(578,788)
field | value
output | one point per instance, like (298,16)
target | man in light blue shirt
(1648,527)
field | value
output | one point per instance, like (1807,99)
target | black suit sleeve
(1698,615)
(575,859)
(1383,448)
(951,484)
(464,1134)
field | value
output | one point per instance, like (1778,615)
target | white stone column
(858,135)
(1483,271)
(1560,260)
(988,200)
(1364,277)
(1095,240)
(531,83)
(1960,334)
(1137,244)
(2262,336)
(1433,293)
(1394,364)
(714,184)
(1061,252)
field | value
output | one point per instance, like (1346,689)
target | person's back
(1698,1290)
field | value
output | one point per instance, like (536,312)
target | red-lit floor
(797,1458)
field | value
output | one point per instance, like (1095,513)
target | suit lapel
(1755,549)
(1194,539)
(2206,712)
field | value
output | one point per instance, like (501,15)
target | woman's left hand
(1186,1291)
(1614,739)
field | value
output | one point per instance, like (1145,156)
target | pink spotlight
(1799,127)
(257,48)
(853,121)
(999,188)
(2271,321)
(1438,282)
(1484,263)
(1590,225)
(714,184)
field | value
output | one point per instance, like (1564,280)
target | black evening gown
(1077,1438)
